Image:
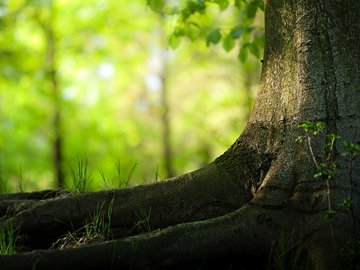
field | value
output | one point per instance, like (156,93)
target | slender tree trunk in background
(165,108)
(260,197)
(2,180)
(166,135)
(51,70)
(2,144)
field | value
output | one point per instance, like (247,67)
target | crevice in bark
(249,160)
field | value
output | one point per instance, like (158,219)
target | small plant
(123,183)
(107,183)
(157,174)
(100,225)
(81,178)
(118,181)
(311,129)
(144,217)
(324,168)
(8,239)
(3,186)
(97,228)
(21,186)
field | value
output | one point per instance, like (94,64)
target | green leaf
(156,5)
(351,149)
(330,215)
(175,37)
(260,4)
(243,53)
(174,41)
(193,7)
(319,126)
(238,4)
(223,4)
(236,32)
(213,37)
(192,30)
(251,9)
(300,139)
(347,202)
(255,50)
(228,43)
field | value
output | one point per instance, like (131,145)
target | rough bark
(259,192)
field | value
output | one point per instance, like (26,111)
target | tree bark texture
(260,193)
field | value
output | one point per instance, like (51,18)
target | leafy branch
(191,23)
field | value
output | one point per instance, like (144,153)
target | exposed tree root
(216,215)
(244,237)
(199,195)
(240,235)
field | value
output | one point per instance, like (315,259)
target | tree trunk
(165,106)
(51,69)
(260,198)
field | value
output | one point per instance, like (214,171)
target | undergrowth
(81,177)
(326,165)
(97,228)
(8,239)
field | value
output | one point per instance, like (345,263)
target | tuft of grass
(8,239)
(124,182)
(144,219)
(21,186)
(157,174)
(3,186)
(143,216)
(100,225)
(108,184)
(118,181)
(80,176)
(98,228)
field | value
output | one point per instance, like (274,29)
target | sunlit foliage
(111,60)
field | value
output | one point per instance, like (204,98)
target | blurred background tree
(96,82)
